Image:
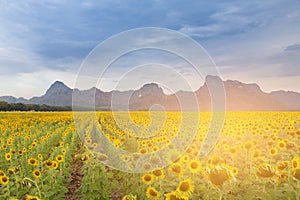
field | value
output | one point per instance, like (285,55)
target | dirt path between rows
(76,176)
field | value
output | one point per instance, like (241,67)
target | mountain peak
(151,88)
(58,87)
(212,77)
(58,83)
(253,87)
(150,85)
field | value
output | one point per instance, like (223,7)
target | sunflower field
(137,156)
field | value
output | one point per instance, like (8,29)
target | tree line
(4,106)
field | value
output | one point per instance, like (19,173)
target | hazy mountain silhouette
(239,97)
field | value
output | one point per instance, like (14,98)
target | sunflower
(2,173)
(282,165)
(94,145)
(185,187)
(4,146)
(33,161)
(226,147)
(176,168)
(155,148)
(194,166)
(215,160)
(265,171)
(260,160)
(11,171)
(59,158)
(54,164)
(12,151)
(270,143)
(29,197)
(40,156)
(273,151)
(296,167)
(147,178)
(248,145)
(152,193)
(281,145)
(158,173)
(4,180)
(185,158)
(129,197)
(7,156)
(290,145)
(282,177)
(63,151)
(20,152)
(9,142)
(296,162)
(36,173)
(218,175)
(235,170)
(143,151)
(256,153)
(267,128)
(189,150)
(233,150)
(48,163)
(296,173)
(175,196)
(17,169)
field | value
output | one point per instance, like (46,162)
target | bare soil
(76,176)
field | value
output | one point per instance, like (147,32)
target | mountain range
(239,97)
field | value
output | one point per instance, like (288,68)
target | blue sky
(44,41)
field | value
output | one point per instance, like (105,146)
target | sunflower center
(147,178)
(248,146)
(281,145)
(295,164)
(157,173)
(177,169)
(194,165)
(272,151)
(184,187)
(48,163)
(153,193)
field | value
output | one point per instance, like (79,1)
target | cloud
(293,47)
(249,39)
(229,19)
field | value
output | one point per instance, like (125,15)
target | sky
(250,41)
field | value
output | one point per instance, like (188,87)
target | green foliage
(98,182)
(4,106)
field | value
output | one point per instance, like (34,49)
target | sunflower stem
(220,194)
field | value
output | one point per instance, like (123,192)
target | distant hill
(239,97)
